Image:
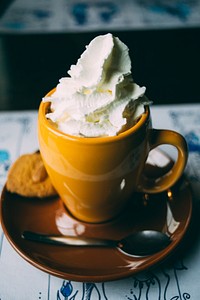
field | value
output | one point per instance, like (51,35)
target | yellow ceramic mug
(95,177)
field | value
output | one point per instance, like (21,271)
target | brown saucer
(168,212)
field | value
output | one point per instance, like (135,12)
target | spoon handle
(67,240)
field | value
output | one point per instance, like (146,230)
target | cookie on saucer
(28,177)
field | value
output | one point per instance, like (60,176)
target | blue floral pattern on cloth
(88,15)
(145,286)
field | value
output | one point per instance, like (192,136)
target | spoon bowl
(144,242)
(141,243)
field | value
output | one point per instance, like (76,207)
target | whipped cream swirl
(100,95)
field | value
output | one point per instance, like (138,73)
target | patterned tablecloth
(24,16)
(172,280)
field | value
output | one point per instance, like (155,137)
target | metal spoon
(141,243)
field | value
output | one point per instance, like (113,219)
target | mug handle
(159,137)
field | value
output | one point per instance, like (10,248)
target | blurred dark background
(166,61)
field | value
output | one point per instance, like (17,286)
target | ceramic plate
(168,212)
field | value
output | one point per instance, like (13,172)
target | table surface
(176,278)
